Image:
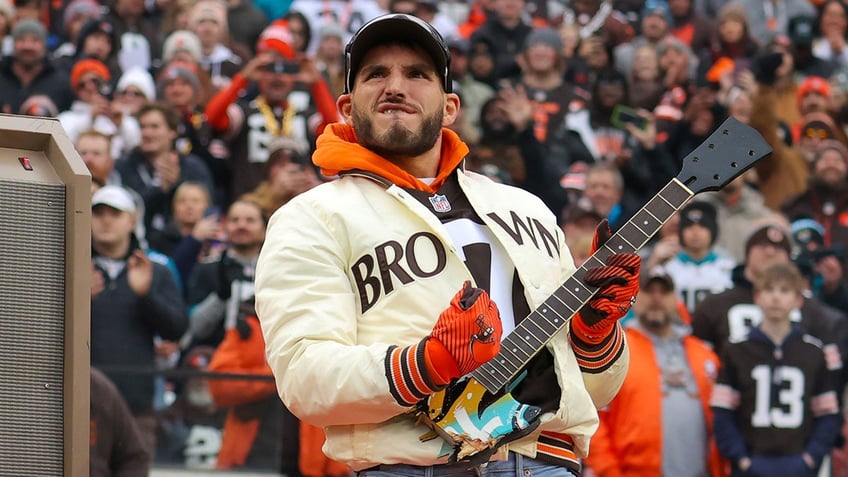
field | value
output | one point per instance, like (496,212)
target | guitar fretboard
(534,331)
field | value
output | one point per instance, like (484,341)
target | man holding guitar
(380,292)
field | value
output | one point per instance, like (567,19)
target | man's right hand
(255,66)
(207,228)
(100,106)
(467,334)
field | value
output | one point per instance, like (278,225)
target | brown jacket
(783,174)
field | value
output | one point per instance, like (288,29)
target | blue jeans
(517,466)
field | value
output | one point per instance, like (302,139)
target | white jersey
(348,14)
(694,280)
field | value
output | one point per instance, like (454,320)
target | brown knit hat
(733,11)
(769,235)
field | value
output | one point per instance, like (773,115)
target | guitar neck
(533,332)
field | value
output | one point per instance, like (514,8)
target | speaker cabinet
(45,250)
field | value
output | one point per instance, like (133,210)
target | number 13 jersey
(776,391)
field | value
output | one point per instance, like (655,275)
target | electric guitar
(476,414)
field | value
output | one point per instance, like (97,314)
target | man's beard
(829,186)
(655,320)
(398,142)
(244,249)
(29,62)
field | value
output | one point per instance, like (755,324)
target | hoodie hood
(338,152)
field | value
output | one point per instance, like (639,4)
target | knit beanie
(139,78)
(733,11)
(93,26)
(80,9)
(29,27)
(276,37)
(212,10)
(769,235)
(181,40)
(88,65)
(700,213)
(545,36)
(173,72)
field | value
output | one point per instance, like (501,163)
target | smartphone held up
(623,115)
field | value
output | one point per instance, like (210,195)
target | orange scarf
(337,151)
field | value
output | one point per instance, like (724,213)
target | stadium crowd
(197,118)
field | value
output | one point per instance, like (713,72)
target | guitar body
(476,421)
(475,414)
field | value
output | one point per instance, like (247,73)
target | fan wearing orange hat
(291,91)
(90,70)
(812,97)
(93,109)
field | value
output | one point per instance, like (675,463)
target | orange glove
(618,283)
(467,334)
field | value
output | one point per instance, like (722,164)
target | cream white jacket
(354,244)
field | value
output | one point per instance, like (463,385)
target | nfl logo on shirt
(440,203)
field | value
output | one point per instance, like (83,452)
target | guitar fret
(495,371)
(676,193)
(619,244)
(531,340)
(577,289)
(481,375)
(646,222)
(559,318)
(515,348)
(635,236)
(569,311)
(511,352)
(661,207)
(591,262)
(528,323)
(511,364)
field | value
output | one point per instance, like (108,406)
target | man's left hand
(139,273)
(618,283)
(309,72)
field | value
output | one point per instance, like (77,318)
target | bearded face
(398,140)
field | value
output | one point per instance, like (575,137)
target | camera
(283,67)
(104,88)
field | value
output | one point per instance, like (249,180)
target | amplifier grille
(32,328)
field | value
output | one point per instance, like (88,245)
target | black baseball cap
(802,29)
(397,27)
(658,275)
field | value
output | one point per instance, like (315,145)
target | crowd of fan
(206,111)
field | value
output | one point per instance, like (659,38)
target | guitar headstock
(729,151)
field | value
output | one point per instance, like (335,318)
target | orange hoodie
(629,439)
(337,151)
(247,356)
